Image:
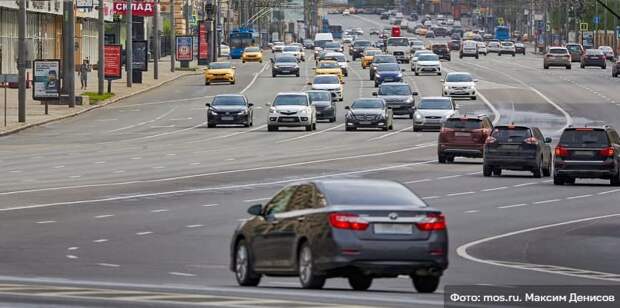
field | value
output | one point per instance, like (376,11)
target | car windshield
(367,104)
(332,45)
(511,134)
(428,57)
(371,193)
(493,44)
(384,59)
(584,138)
(286,60)
(558,51)
(320,96)
(388,67)
(361,44)
(219,65)
(290,100)
(574,48)
(372,52)
(328,65)
(464,123)
(398,41)
(330,79)
(398,89)
(339,58)
(252,49)
(228,100)
(606,48)
(507,44)
(443,104)
(459,78)
(290,49)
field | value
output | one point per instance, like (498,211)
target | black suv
(517,148)
(442,51)
(587,152)
(284,65)
(358,48)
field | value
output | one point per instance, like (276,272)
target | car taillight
(531,140)
(432,222)
(490,140)
(561,151)
(607,152)
(347,221)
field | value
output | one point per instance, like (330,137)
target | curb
(103,104)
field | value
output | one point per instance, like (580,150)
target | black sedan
(369,113)
(517,148)
(615,69)
(324,103)
(352,228)
(230,109)
(593,57)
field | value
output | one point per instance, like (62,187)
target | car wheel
(207,83)
(538,171)
(244,269)
(615,180)
(450,158)
(297,75)
(416,129)
(473,98)
(568,67)
(376,84)
(441,158)
(557,180)
(360,282)
(313,126)
(307,277)
(309,128)
(439,74)
(332,120)
(514,55)
(411,115)
(547,171)
(497,171)
(412,69)
(546,67)
(272,128)
(273,75)
(487,170)
(604,67)
(477,57)
(210,125)
(234,81)
(583,66)
(242,61)
(417,74)
(570,181)
(425,284)
(499,54)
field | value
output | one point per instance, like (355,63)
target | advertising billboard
(112,59)
(46,79)
(203,45)
(185,48)
(140,54)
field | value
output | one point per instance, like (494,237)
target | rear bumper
(324,114)
(512,163)
(594,170)
(475,151)
(427,125)
(401,109)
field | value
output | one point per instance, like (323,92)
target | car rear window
(371,193)
(464,123)
(584,138)
(511,134)
(558,51)
(574,48)
(594,52)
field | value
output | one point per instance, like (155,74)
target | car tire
(425,284)
(538,172)
(473,98)
(570,181)
(547,171)
(417,74)
(272,128)
(477,57)
(233,82)
(314,126)
(499,54)
(385,129)
(604,67)
(273,75)
(514,55)
(583,66)
(332,120)
(207,83)
(450,159)
(391,126)
(557,180)
(441,158)
(411,115)
(360,282)
(244,269)
(309,128)
(497,171)
(210,125)
(416,129)
(297,74)
(305,264)
(615,180)
(568,67)
(546,67)
(487,170)
(376,84)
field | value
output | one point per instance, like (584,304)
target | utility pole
(21,63)
(101,61)
(209,8)
(69,52)
(129,45)
(173,43)
(156,43)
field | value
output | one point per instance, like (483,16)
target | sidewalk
(35,111)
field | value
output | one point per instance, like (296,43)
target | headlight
(400,75)
(418,116)
(212,112)
(377,76)
(410,100)
(273,110)
(276,66)
(242,112)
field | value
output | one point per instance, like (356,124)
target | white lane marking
(46,222)
(474,173)
(103,240)
(160,211)
(159,167)
(119,171)
(391,134)
(181,274)
(418,181)
(194,226)
(136,158)
(302,163)
(547,201)
(162,102)
(471,211)
(145,122)
(71,257)
(59,167)
(511,206)
(461,193)
(162,126)
(279,182)
(496,114)
(524,184)
(547,181)
(496,188)
(431,197)
(15,171)
(311,134)
(608,192)
(229,135)
(462,250)
(254,79)
(210,205)
(257,199)
(108,265)
(578,197)
(104,216)
(99,162)
(75,176)
(171,154)
(195,164)
(449,177)
(73,248)
(168,133)
(144,233)
(106,120)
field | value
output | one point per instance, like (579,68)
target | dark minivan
(353,228)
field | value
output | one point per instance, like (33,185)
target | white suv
(291,109)
(507,48)
(459,84)
(469,49)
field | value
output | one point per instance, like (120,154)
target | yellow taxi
(369,55)
(329,67)
(220,71)
(252,54)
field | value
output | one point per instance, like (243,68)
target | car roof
(292,93)
(394,84)
(331,54)
(230,95)
(330,187)
(458,73)
(448,98)
(325,75)
(315,91)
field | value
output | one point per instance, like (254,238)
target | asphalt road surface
(135,204)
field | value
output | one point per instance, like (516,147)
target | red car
(463,136)
(395,31)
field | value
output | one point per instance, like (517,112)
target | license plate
(460,134)
(288,120)
(584,153)
(393,228)
(510,147)
(227,118)
(365,122)
(388,79)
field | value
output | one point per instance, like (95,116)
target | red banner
(112,59)
(137,8)
(203,45)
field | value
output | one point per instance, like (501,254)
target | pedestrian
(83,72)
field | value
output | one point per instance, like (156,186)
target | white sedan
(482,48)
(459,84)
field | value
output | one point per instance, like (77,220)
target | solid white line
(71,256)
(391,134)
(159,211)
(144,233)
(103,240)
(73,248)
(461,193)
(578,197)
(254,79)
(210,205)
(511,206)
(257,199)
(195,164)
(104,216)
(449,177)
(462,250)
(496,114)
(471,211)
(494,189)
(46,222)
(108,265)
(547,201)
(311,134)
(431,197)
(162,126)
(525,184)
(418,181)
(194,226)
(181,274)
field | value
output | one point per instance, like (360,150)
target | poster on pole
(185,46)
(113,63)
(140,54)
(84,4)
(46,81)
(203,45)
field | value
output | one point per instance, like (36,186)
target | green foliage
(94,98)
(167,26)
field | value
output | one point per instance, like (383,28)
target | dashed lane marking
(194,226)
(472,211)
(578,197)
(181,274)
(71,257)
(108,265)
(46,222)
(496,188)
(461,193)
(418,181)
(547,201)
(159,211)
(104,216)
(511,206)
(450,177)
(257,199)
(210,205)
(103,240)
(144,233)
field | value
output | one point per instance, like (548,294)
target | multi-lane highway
(136,203)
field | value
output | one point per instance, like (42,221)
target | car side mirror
(208,105)
(250,105)
(255,210)
(271,60)
(442,80)
(414,93)
(268,104)
(374,93)
(548,140)
(475,80)
(309,83)
(347,108)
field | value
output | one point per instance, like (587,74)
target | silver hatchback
(557,56)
